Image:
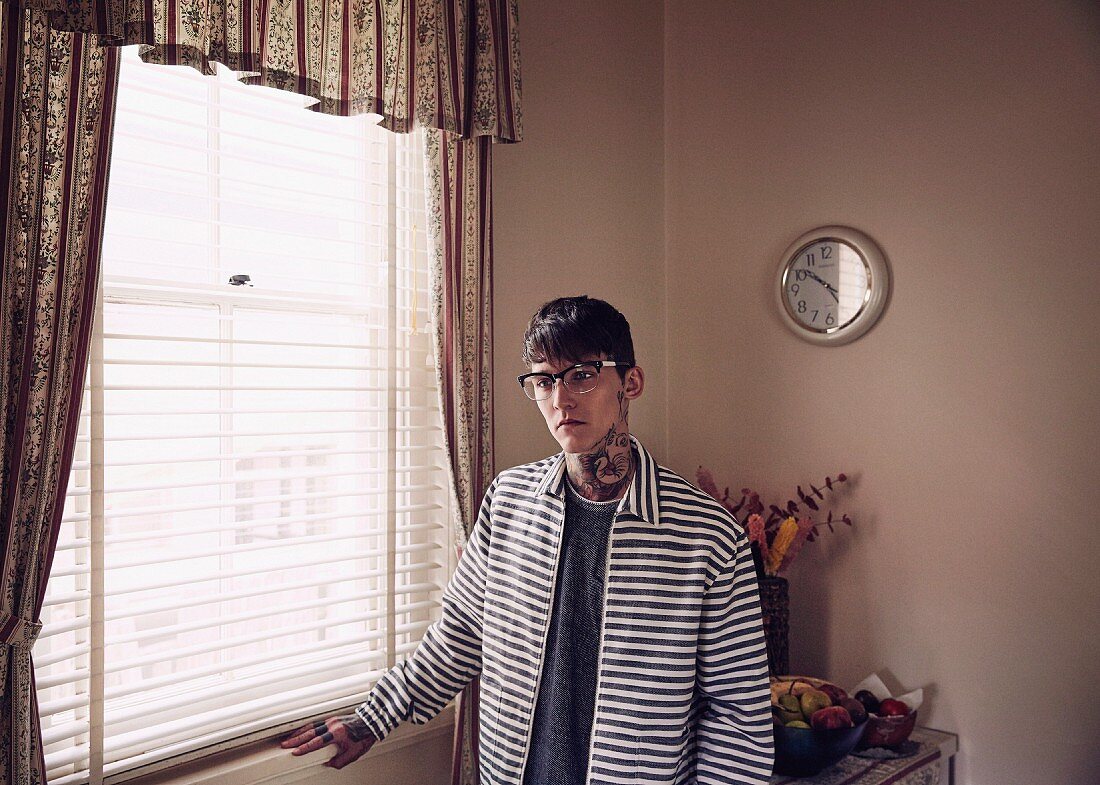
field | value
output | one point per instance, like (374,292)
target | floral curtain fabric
(446,64)
(58,113)
(460,228)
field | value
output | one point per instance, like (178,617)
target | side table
(930,765)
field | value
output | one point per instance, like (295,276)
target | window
(256,525)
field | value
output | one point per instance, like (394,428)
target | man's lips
(564,423)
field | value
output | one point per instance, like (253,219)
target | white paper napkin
(874,685)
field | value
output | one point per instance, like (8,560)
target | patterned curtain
(58,100)
(446,64)
(460,228)
(450,65)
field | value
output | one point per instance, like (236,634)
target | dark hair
(567,329)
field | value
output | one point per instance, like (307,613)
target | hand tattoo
(357,729)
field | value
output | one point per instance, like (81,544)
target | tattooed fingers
(309,738)
(303,735)
(349,733)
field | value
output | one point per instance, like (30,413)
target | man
(609,606)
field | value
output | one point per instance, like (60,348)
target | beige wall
(579,205)
(964,138)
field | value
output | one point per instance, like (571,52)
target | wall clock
(832,285)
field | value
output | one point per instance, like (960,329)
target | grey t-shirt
(562,727)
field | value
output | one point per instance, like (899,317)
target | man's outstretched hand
(349,733)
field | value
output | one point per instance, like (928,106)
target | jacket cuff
(378,721)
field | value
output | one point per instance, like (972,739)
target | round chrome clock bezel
(874,298)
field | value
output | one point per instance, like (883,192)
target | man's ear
(634,382)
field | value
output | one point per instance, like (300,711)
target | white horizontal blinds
(62,653)
(270,478)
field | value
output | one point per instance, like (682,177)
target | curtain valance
(446,64)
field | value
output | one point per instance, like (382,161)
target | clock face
(826,284)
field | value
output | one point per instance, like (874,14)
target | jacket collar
(641,498)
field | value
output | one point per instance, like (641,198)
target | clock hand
(830,289)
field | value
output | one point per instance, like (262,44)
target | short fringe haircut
(569,329)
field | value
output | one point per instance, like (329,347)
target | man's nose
(563,399)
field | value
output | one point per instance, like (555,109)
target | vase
(775,609)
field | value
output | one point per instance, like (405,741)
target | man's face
(581,421)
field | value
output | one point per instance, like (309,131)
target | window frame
(112,289)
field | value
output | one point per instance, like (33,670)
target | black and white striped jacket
(682,692)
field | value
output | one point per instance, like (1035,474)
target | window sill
(265,762)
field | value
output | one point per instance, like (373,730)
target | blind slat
(284,411)
(161,339)
(273,611)
(265,477)
(208,599)
(181,677)
(69,678)
(233,503)
(230,643)
(45,659)
(287,545)
(216,364)
(55,733)
(67,757)
(207,578)
(71,597)
(256,523)
(304,451)
(160,437)
(239,387)
(59,705)
(128,611)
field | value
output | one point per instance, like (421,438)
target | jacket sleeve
(449,655)
(734,728)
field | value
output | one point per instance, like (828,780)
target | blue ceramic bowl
(803,752)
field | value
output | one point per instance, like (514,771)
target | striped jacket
(682,691)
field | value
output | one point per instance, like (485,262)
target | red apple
(891,707)
(831,717)
(855,709)
(835,693)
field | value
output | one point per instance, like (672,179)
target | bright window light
(257,522)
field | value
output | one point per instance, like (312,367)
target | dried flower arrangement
(777,538)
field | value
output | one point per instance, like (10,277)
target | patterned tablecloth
(926,767)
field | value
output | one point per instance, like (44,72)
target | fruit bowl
(888,731)
(890,719)
(805,751)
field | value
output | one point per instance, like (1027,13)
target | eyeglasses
(580,378)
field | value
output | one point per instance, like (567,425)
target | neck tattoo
(603,472)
